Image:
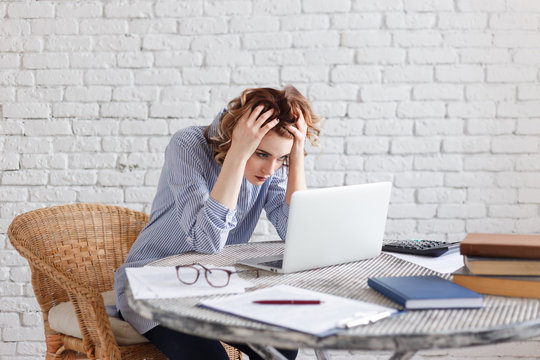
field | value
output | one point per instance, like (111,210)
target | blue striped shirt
(185,218)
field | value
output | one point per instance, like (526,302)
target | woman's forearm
(297,177)
(229,181)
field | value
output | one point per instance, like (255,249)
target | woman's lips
(260,178)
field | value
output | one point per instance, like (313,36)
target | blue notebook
(425,292)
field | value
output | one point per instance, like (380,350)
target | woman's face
(272,153)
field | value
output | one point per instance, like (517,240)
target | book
(425,292)
(519,286)
(331,315)
(501,266)
(501,245)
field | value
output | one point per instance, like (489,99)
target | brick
(103,26)
(249,75)
(367,145)
(513,21)
(9,162)
(138,93)
(424,109)
(21,274)
(438,226)
(184,9)
(123,144)
(512,109)
(418,179)
(277,7)
(203,26)
(40,161)
(494,225)
(511,74)
(8,61)
(484,109)
(381,5)
(491,126)
(267,41)
(323,56)
(492,196)
(23,334)
(188,58)
(527,56)
(7,349)
(55,195)
(7,95)
(385,92)
(461,211)
(45,61)
(75,110)
(310,39)
(489,163)
(388,163)
(31,348)
(135,60)
(463,21)
(101,195)
(417,38)
(381,110)
(144,127)
(304,74)
(512,211)
(47,127)
(515,144)
(229,7)
(362,39)
(415,146)
(121,178)
(31,10)
(21,44)
(439,163)
(468,39)
(490,92)
(214,75)
(380,56)
(516,39)
(179,93)
(152,26)
(59,77)
(8,320)
(528,92)
(100,60)
(92,161)
(338,163)
(355,21)
(138,9)
(174,110)
(469,179)
(70,144)
(54,27)
(124,109)
(467,144)
(109,77)
(355,74)
(13,193)
(527,226)
(324,178)
(428,5)
(408,74)
(96,127)
(414,211)
(26,110)
(14,78)
(68,43)
(88,94)
(73,177)
(410,21)
(388,127)
(484,56)
(26,145)
(157,77)
(528,127)
(306,22)
(152,177)
(481,5)
(433,56)
(459,73)
(79,10)
(140,194)
(125,42)
(215,42)
(33,318)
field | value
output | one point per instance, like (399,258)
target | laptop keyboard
(274,263)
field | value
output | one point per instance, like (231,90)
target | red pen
(287,302)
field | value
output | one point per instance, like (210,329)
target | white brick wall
(440,96)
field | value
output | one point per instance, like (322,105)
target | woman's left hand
(299,131)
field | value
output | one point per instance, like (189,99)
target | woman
(214,184)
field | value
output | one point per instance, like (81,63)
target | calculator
(432,248)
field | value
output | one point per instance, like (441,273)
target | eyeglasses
(215,277)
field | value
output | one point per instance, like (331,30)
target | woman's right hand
(248,132)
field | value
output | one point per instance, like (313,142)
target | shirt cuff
(221,211)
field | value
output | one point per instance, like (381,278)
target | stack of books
(501,264)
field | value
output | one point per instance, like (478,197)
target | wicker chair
(73,251)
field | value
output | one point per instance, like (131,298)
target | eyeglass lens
(217,277)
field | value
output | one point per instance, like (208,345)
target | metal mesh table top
(500,319)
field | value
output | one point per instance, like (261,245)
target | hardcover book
(501,245)
(425,292)
(520,286)
(502,266)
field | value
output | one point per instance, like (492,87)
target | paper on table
(153,282)
(333,314)
(444,264)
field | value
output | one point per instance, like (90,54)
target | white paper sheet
(153,282)
(333,314)
(446,263)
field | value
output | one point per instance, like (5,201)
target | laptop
(331,226)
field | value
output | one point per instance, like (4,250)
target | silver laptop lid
(335,225)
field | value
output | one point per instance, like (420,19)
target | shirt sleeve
(276,208)
(206,221)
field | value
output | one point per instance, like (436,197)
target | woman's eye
(283,158)
(262,155)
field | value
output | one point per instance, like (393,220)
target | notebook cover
(519,286)
(425,292)
(501,245)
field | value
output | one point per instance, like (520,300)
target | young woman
(214,184)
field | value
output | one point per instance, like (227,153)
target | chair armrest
(88,304)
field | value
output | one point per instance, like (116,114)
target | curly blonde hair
(284,102)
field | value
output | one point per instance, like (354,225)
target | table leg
(267,352)
(402,355)
(321,354)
